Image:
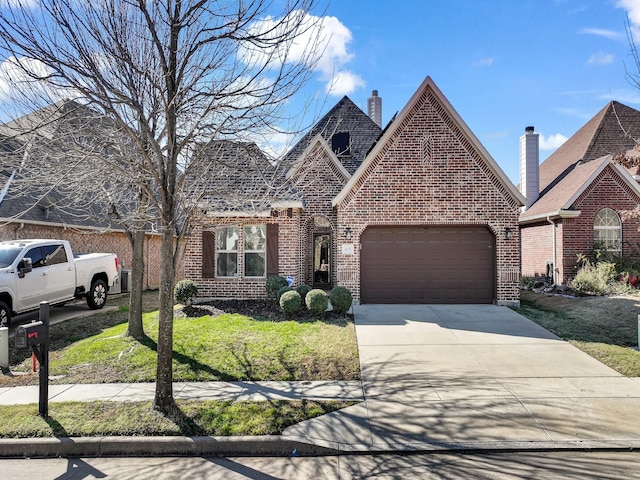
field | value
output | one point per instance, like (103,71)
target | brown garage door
(427,265)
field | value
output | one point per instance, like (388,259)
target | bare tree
(169,75)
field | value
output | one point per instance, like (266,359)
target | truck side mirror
(33,333)
(24,266)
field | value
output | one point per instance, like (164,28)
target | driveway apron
(479,376)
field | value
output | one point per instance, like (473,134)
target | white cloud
(16,82)
(551,142)
(323,45)
(601,32)
(19,3)
(343,83)
(600,58)
(484,62)
(633,13)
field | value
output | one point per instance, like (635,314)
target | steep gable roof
(559,199)
(345,116)
(390,132)
(612,129)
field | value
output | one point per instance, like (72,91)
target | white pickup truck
(33,271)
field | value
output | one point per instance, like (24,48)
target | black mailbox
(31,334)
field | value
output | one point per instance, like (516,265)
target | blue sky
(503,64)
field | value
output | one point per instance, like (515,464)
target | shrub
(595,279)
(303,290)
(185,292)
(273,284)
(341,300)
(282,290)
(290,302)
(317,301)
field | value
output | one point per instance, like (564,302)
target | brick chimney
(374,108)
(529,166)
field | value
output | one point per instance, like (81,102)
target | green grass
(74,419)
(227,347)
(603,327)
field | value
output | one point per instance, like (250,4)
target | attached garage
(428,264)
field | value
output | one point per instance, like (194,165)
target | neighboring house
(36,213)
(418,213)
(576,195)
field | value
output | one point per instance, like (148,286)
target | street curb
(263,446)
(271,446)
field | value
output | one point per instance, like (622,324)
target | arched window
(607,231)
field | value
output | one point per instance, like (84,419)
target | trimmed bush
(282,290)
(273,284)
(341,300)
(185,292)
(290,302)
(317,301)
(303,290)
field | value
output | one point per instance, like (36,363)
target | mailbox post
(36,336)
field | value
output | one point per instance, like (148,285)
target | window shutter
(273,267)
(208,255)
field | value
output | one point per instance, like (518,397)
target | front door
(322,260)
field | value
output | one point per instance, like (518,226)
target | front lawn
(225,347)
(604,327)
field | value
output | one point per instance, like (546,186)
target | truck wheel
(97,295)
(5,315)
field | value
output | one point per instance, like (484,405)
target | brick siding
(428,173)
(575,235)
(91,241)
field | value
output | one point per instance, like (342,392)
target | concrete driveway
(481,376)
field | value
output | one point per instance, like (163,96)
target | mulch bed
(258,309)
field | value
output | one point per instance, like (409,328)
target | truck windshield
(8,254)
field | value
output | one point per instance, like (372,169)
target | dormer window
(340,144)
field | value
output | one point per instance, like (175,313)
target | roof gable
(568,189)
(303,161)
(612,129)
(345,116)
(455,123)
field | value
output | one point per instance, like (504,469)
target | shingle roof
(560,193)
(39,203)
(238,177)
(345,116)
(611,130)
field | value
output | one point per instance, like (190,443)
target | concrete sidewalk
(223,391)
(434,377)
(475,377)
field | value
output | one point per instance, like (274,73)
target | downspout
(17,231)
(553,242)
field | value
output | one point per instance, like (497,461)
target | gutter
(551,215)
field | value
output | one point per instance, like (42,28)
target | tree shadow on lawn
(193,364)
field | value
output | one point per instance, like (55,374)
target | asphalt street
(490,466)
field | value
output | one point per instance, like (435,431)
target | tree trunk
(164,401)
(135,328)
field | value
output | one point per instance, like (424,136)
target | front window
(227,252)
(255,253)
(607,231)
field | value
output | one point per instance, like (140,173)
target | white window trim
(617,228)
